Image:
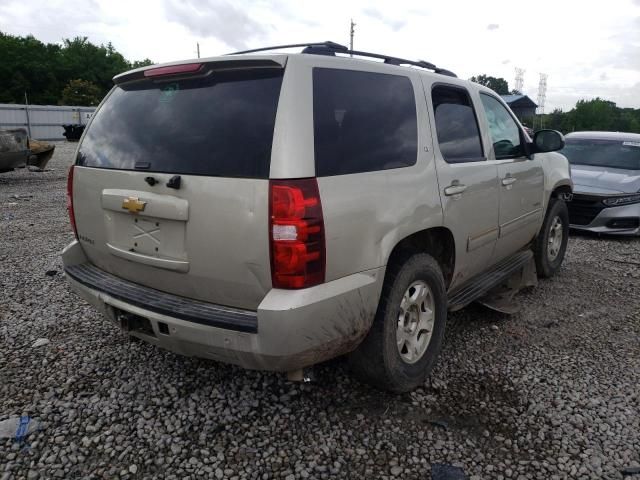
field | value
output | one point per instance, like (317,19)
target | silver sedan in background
(605,168)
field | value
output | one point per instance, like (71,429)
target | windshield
(603,153)
(219,125)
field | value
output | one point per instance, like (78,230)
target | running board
(484,282)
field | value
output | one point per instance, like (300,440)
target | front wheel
(406,336)
(551,243)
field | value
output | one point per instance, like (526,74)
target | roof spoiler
(192,69)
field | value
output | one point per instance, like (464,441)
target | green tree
(25,67)
(628,120)
(556,120)
(41,70)
(82,93)
(595,114)
(141,63)
(497,84)
(98,64)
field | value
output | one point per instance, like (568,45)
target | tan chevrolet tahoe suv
(277,210)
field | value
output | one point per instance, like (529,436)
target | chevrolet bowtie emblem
(133,204)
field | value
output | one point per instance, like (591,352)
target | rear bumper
(624,220)
(291,329)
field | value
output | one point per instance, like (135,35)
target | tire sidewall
(406,375)
(557,209)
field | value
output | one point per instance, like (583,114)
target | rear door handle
(454,189)
(508,180)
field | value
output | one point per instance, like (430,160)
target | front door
(521,180)
(468,182)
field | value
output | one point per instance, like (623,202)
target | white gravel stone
(40,342)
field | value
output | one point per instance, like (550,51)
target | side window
(456,125)
(363,121)
(505,134)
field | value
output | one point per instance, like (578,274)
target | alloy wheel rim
(415,322)
(555,239)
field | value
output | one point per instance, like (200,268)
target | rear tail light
(296,233)
(72,217)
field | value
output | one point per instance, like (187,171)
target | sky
(586,48)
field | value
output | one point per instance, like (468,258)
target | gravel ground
(551,392)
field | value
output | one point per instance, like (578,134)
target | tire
(548,249)
(384,359)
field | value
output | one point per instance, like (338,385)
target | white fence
(43,122)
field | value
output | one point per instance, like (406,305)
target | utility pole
(26,111)
(352,31)
(198,48)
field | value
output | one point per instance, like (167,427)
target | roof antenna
(352,32)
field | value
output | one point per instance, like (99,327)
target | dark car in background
(605,168)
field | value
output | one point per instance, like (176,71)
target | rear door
(521,179)
(171,183)
(467,181)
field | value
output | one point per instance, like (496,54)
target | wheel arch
(565,187)
(436,241)
(560,188)
(557,176)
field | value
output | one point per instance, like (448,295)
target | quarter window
(456,125)
(505,134)
(363,121)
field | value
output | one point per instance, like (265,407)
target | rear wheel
(551,244)
(406,336)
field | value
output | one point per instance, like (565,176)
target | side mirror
(547,141)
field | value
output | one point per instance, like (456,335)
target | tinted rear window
(603,153)
(221,125)
(456,125)
(362,121)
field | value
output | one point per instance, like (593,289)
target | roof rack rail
(331,48)
(330,45)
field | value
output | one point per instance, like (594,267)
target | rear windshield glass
(603,153)
(221,125)
(363,121)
